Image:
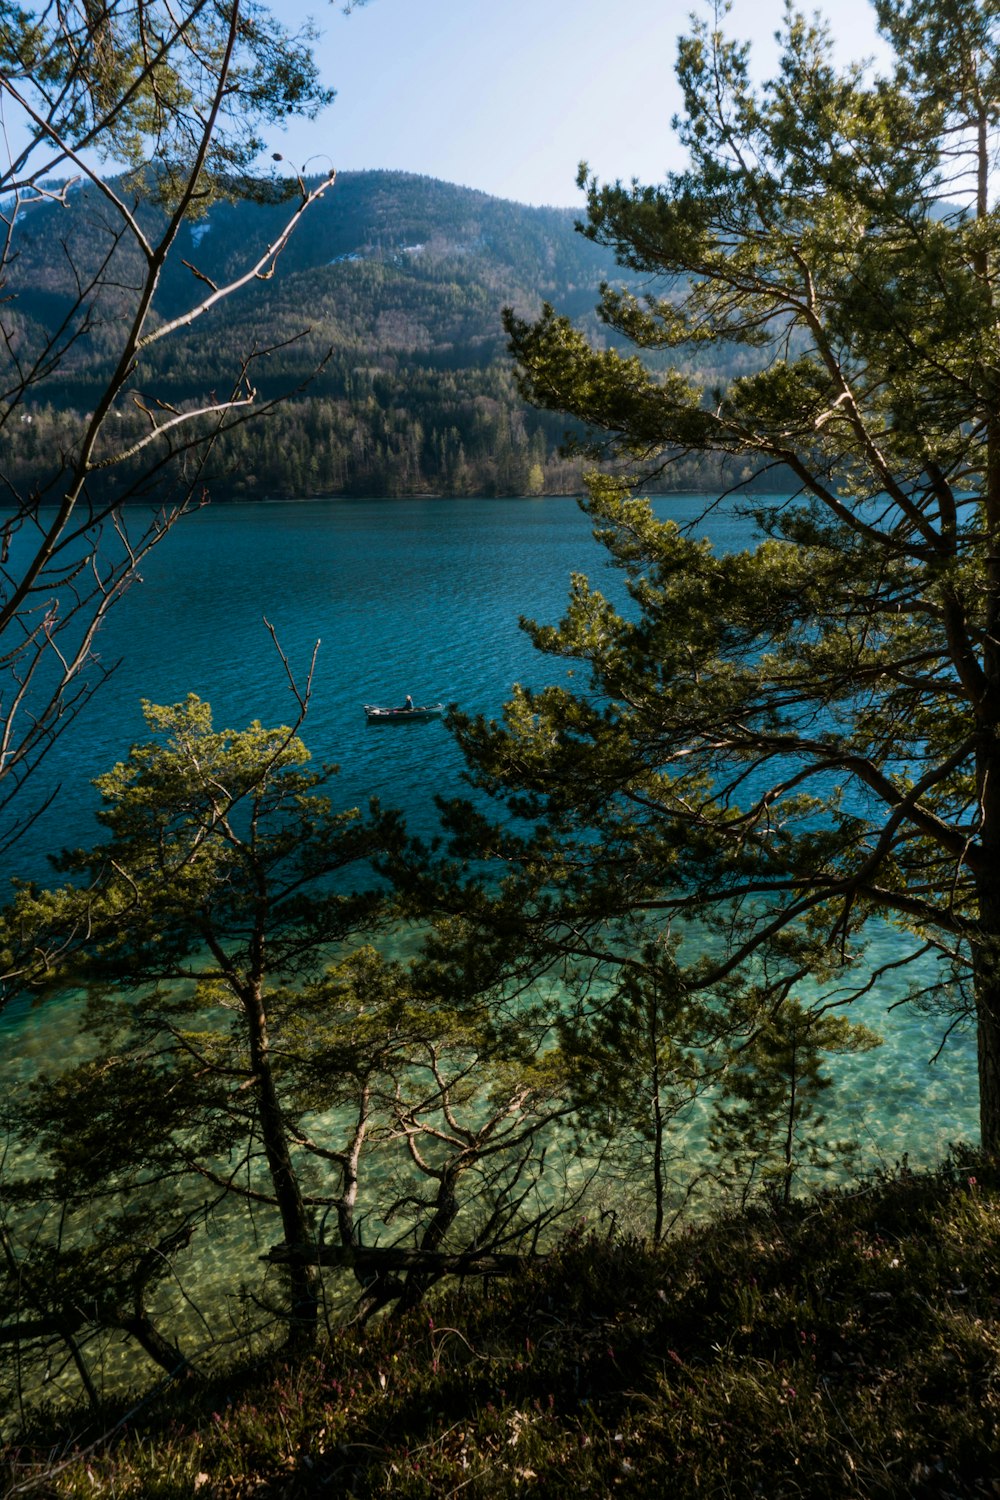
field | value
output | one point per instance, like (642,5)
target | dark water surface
(405,596)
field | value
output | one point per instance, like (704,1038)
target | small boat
(405,715)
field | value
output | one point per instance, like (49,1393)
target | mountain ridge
(382,324)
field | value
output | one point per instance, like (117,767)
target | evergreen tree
(213,892)
(635,1067)
(769,1112)
(239,1058)
(779,745)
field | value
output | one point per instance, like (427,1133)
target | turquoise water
(406,596)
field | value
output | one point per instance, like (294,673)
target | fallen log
(374,1259)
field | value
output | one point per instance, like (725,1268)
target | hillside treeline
(375,352)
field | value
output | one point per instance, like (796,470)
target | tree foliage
(767,1127)
(179,95)
(768,749)
(212,876)
(248,1065)
(636,1062)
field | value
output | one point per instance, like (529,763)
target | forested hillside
(379,338)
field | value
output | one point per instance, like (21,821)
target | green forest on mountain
(386,362)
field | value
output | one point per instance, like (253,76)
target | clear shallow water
(408,596)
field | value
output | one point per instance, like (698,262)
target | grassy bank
(847,1346)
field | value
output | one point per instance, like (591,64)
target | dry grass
(847,1346)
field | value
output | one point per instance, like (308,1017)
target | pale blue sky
(509,95)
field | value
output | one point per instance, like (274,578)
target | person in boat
(408,705)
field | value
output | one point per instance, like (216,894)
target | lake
(405,596)
(420,597)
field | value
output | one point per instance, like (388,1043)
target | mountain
(383,322)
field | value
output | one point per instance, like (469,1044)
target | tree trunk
(789,1146)
(304,1279)
(986,942)
(659,1133)
(986,979)
(140,1326)
(445,1213)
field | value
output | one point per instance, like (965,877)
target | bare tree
(176,94)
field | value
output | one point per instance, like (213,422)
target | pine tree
(769,1111)
(780,744)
